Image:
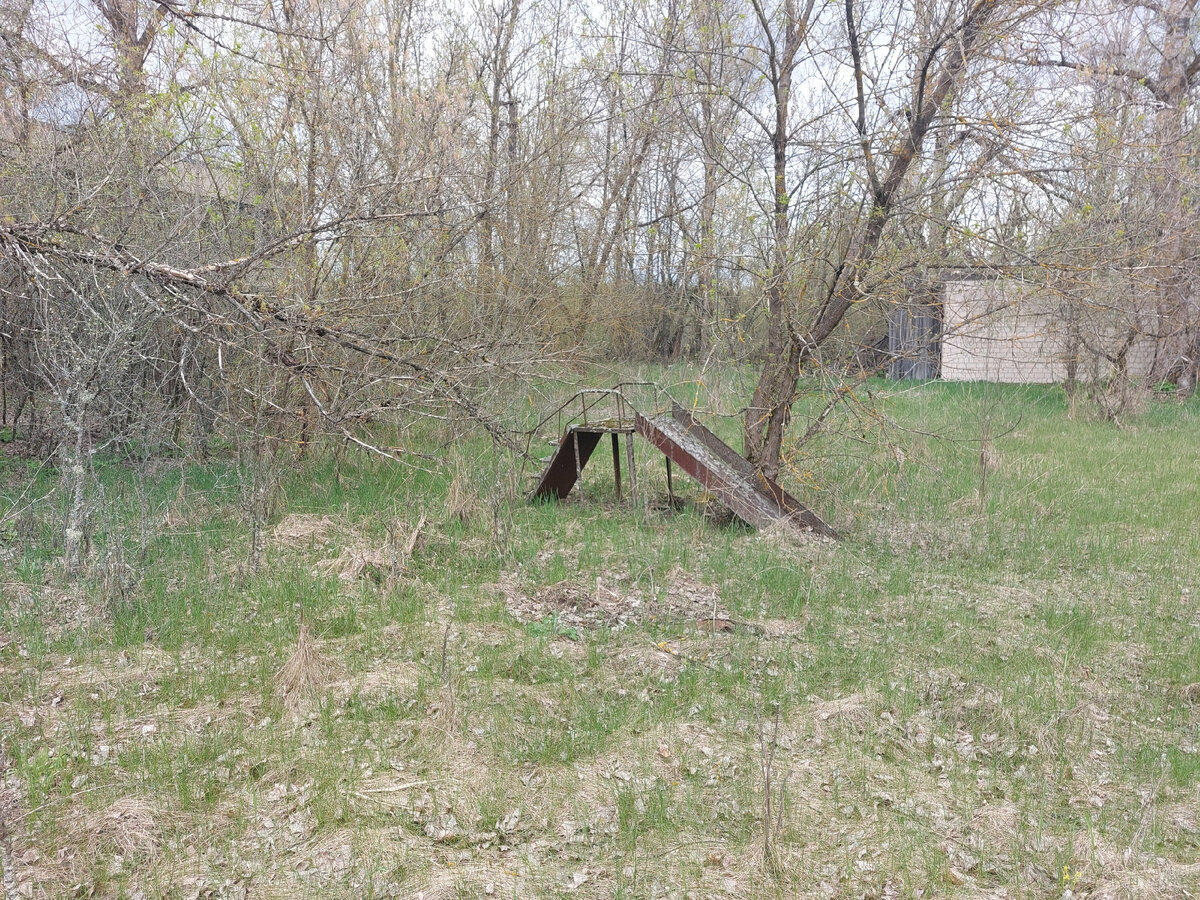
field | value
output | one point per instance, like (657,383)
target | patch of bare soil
(572,604)
(390,680)
(784,536)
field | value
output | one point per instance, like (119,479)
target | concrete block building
(1006,330)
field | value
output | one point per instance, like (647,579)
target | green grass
(991,677)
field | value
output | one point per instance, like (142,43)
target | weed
(550,625)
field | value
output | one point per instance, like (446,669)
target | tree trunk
(1177,309)
(770,410)
(767,419)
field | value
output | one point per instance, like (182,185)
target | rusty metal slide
(755,499)
(783,503)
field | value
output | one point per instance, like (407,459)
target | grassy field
(989,688)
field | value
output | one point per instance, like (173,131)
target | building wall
(1005,331)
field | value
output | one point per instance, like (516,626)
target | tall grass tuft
(301,679)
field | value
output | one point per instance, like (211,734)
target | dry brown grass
(355,563)
(464,501)
(128,826)
(303,530)
(383,565)
(301,680)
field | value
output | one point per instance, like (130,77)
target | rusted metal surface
(574,451)
(755,479)
(633,482)
(616,447)
(685,442)
(685,451)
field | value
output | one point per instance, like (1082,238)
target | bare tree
(782,35)
(1148,52)
(335,219)
(946,39)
